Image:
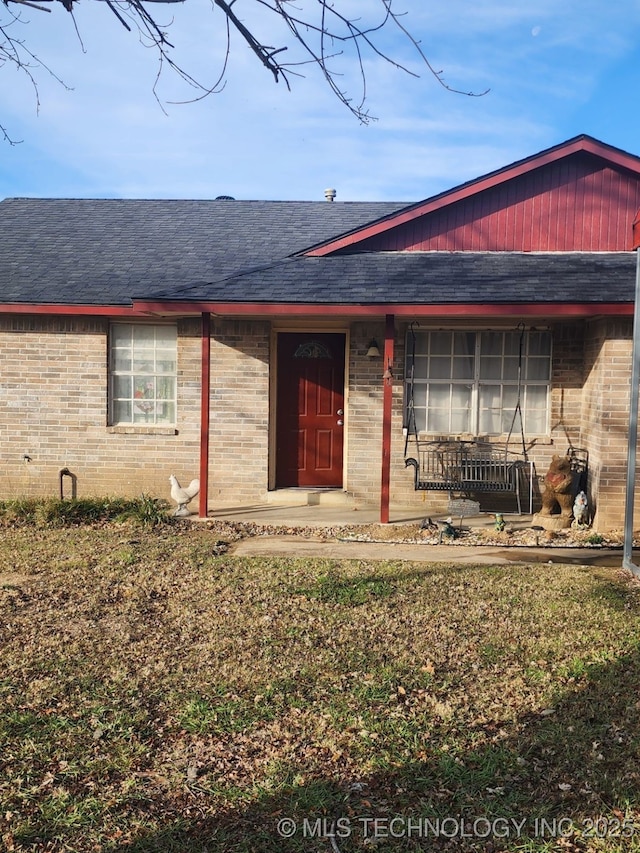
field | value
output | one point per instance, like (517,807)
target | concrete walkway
(298,547)
(284,517)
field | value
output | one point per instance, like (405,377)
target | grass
(158,696)
(53,512)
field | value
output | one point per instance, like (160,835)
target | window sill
(140,429)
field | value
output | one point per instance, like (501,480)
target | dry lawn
(158,694)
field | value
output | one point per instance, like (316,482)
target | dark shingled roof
(430,277)
(106,252)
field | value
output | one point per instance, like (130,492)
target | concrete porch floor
(322,515)
(319,515)
(333,507)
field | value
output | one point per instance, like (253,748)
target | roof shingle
(106,252)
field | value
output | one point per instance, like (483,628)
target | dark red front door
(310,403)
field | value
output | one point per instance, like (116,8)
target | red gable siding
(578,203)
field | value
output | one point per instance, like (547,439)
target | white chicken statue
(183,496)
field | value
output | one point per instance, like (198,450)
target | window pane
(490,422)
(510,368)
(490,414)
(440,343)
(461,396)
(419,368)
(419,407)
(536,422)
(144,413)
(420,418)
(166,337)
(142,409)
(122,360)
(537,368)
(143,360)
(490,368)
(165,362)
(539,343)
(122,411)
(166,413)
(122,387)
(510,397)
(422,343)
(490,343)
(461,408)
(464,343)
(463,368)
(420,396)
(511,419)
(438,421)
(511,343)
(536,397)
(121,335)
(439,396)
(144,335)
(165,388)
(143,387)
(439,368)
(489,396)
(460,421)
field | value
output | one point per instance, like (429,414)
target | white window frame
(143,374)
(470,416)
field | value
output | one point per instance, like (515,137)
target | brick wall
(53,408)
(608,346)
(239,435)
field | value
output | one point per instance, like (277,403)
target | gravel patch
(465,534)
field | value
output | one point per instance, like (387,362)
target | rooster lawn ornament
(183,496)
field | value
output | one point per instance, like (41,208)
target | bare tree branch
(318,30)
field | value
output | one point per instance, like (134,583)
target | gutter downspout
(387,399)
(205,391)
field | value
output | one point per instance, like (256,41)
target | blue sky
(554,70)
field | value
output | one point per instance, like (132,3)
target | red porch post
(387,399)
(205,390)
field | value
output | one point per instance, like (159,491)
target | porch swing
(466,466)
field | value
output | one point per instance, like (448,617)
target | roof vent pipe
(330,194)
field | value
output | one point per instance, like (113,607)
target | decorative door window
(312,349)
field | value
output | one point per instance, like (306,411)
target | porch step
(310,497)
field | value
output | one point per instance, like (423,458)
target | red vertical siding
(579,203)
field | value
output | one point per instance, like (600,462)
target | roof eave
(480,310)
(69,309)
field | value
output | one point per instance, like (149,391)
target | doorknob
(340,422)
(340,412)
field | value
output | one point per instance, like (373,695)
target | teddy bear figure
(558,487)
